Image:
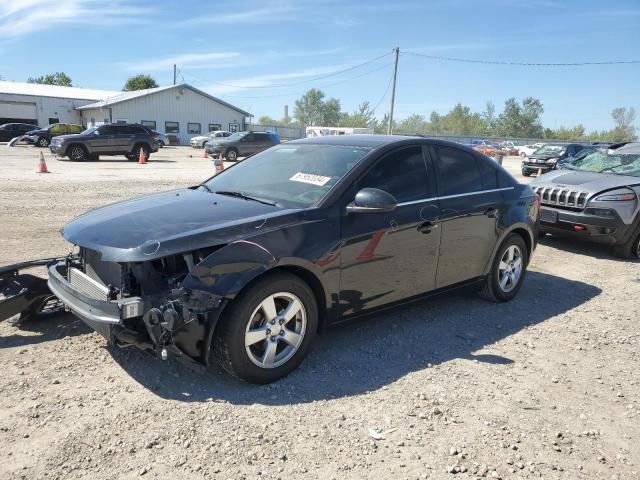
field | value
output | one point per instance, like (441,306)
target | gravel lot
(546,386)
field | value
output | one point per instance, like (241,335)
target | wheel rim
(77,153)
(510,268)
(43,142)
(232,155)
(275,330)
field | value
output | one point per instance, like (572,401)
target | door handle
(491,212)
(426,227)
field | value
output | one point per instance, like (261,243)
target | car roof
(362,140)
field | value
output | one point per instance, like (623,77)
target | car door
(387,257)
(6,132)
(100,140)
(261,142)
(469,215)
(247,145)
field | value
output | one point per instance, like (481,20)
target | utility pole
(174,73)
(393,92)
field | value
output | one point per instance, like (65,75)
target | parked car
(110,139)
(508,148)
(42,136)
(245,268)
(576,156)
(545,158)
(489,151)
(9,131)
(198,142)
(526,150)
(597,198)
(161,138)
(241,144)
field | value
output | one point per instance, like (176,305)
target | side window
(457,172)
(402,173)
(488,173)
(107,130)
(74,129)
(249,138)
(262,137)
(58,129)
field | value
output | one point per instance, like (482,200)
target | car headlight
(622,195)
(553,160)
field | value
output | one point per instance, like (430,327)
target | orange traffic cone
(219,164)
(141,158)
(42,165)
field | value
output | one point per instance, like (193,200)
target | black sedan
(246,268)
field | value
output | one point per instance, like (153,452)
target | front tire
(507,271)
(77,153)
(268,329)
(526,173)
(630,250)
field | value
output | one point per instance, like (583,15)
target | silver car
(199,141)
(596,197)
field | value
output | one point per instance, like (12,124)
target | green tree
(624,130)
(267,120)
(563,133)
(139,82)
(413,124)
(58,78)
(362,117)
(312,110)
(521,120)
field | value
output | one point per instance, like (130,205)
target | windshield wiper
(246,197)
(206,187)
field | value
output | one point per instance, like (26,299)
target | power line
(368,72)
(520,64)
(321,77)
(384,95)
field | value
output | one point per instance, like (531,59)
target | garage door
(18,110)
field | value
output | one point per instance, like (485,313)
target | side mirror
(372,200)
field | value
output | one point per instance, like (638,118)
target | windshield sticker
(311,178)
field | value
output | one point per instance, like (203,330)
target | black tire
(629,250)
(491,289)
(43,142)
(232,155)
(526,173)
(134,155)
(228,347)
(77,153)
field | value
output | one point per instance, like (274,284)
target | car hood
(589,182)
(39,131)
(71,136)
(172,222)
(546,156)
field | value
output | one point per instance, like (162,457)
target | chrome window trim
(458,195)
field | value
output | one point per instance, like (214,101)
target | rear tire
(134,155)
(289,340)
(43,142)
(629,250)
(77,153)
(45,308)
(507,270)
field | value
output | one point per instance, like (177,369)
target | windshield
(550,150)
(89,130)
(294,176)
(603,160)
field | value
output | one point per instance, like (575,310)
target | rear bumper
(608,230)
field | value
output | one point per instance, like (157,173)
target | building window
(149,124)
(171,127)
(214,127)
(233,127)
(193,128)
(122,121)
(53,120)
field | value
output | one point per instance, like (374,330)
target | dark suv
(241,144)
(42,137)
(110,139)
(547,157)
(13,130)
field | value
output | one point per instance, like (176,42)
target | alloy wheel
(510,268)
(77,153)
(275,330)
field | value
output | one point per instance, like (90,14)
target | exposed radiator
(87,285)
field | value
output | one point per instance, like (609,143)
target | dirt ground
(546,386)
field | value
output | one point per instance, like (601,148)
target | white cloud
(225,87)
(185,60)
(23,17)
(253,15)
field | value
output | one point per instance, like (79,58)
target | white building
(179,110)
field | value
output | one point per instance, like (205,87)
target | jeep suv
(241,144)
(42,137)
(596,197)
(110,139)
